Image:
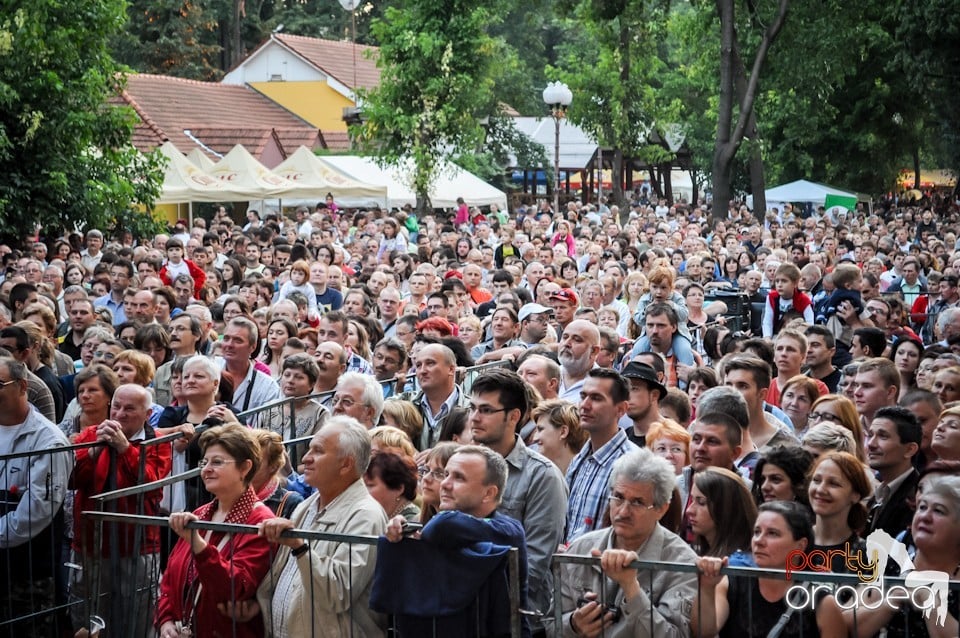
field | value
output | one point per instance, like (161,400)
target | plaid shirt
(589,477)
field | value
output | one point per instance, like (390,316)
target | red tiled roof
(219,115)
(335,140)
(336,58)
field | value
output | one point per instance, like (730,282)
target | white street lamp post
(351,6)
(557,96)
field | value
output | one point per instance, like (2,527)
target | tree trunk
(665,174)
(616,170)
(655,181)
(758,182)
(916,167)
(730,137)
(722,155)
(236,40)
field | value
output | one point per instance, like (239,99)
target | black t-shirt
(832,380)
(752,615)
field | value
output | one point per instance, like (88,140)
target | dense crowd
(646,382)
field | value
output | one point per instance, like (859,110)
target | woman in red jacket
(206,568)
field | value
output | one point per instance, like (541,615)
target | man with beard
(578,351)
(661,323)
(643,406)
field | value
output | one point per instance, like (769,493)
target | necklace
(401,503)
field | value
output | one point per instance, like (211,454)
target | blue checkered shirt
(588,477)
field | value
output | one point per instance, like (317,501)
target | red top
(199,277)
(90,478)
(233,573)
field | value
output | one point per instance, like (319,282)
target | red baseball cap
(566,294)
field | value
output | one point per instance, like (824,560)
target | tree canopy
(65,152)
(846,92)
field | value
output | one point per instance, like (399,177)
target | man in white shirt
(253,387)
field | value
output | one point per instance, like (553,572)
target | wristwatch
(300,551)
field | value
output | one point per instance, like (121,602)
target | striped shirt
(588,477)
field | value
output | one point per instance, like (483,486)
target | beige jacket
(323,601)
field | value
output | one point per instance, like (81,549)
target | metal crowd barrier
(306,535)
(647,569)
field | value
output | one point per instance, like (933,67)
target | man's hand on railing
(241,610)
(273,528)
(616,564)
(111,433)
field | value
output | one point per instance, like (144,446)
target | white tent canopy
(305,178)
(200,158)
(314,179)
(244,174)
(803,191)
(183,181)
(452,182)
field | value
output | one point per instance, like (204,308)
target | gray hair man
(340,574)
(359,396)
(658,603)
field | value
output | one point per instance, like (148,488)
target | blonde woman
(404,416)
(558,433)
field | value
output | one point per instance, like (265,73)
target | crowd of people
(649,383)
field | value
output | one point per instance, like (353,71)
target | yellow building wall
(315,102)
(171,212)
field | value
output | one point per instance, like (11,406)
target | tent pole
(190,213)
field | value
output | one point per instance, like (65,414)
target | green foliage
(929,31)
(170,37)
(65,152)
(503,140)
(436,84)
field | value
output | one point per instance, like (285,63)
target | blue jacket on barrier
(454,580)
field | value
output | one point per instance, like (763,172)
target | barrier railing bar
(276,403)
(51,450)
(513,572)
(750,572)
(232,528)
(147,487)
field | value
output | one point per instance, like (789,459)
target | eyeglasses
(214,463)
(436,475)
(484,410)
(106,356)
(4,384)
(669,449)
(346,402)
(617,500)
(822,416)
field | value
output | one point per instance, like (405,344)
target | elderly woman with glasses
(209,569)
(617,600)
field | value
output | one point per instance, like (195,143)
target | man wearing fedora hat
(643,406)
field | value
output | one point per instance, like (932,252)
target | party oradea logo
(926,590)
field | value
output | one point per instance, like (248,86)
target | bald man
(439,393)
(578,350)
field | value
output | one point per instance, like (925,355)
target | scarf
(238,514)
